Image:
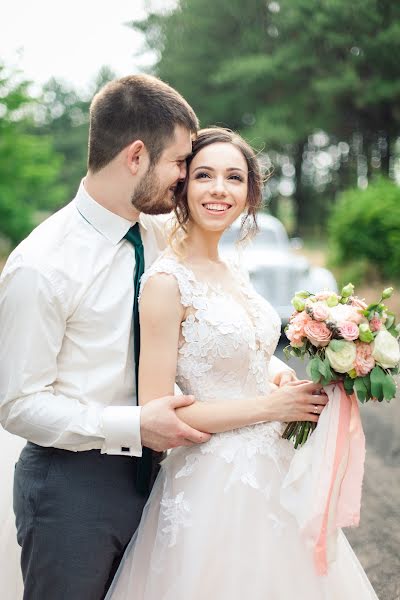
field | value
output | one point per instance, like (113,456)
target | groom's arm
(279,372)
(33,319)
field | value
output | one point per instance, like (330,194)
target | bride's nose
(218,187)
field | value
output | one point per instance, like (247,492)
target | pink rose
(317,333)
(320,311)
(364,362)
(349,331)
(375,324)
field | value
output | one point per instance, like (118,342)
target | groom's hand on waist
(284,377)
(161,429)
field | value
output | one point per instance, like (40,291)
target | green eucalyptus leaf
(322,368)
(313,369)
(377,377)
(360,389)
(389,387)
(367,382)
(348,384)
(326,372)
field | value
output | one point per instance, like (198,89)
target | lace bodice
(226,340)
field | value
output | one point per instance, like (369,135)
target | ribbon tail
(343,500)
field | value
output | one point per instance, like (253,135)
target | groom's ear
(137,157)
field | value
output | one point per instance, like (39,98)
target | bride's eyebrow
(212,169)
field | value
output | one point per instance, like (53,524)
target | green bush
(364,225)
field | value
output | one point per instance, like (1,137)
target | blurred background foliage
(312,84)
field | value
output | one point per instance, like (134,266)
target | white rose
(386,350)
(341,355)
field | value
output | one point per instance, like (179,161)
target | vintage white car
(276,270)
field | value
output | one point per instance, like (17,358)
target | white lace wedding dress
(213,528)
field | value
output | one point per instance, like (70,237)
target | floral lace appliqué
(176,513)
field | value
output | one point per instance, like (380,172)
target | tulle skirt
(214,529)
(10,573)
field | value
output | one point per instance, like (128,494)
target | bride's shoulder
(167,276)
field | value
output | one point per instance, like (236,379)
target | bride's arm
(161,314)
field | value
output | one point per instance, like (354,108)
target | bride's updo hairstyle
(206,137)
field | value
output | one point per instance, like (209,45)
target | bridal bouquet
(348,342)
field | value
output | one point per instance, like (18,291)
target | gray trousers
(75,514)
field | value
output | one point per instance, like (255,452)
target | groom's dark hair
(137,107)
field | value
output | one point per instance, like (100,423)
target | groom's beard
(150,197)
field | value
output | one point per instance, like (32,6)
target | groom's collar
(111,226)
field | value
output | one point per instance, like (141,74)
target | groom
(68,326)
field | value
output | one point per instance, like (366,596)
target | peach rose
(317,333)
(295,331)
(300,319)
(295,335)
(364,362)
(349,331)
(320,311)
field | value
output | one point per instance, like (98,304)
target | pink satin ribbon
(343,479)
(322,488)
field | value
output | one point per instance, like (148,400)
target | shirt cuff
(277,366)
(121,430)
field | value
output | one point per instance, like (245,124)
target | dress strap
(189,287)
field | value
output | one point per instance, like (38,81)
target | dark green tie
(144,465)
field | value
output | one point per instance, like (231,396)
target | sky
(71,40)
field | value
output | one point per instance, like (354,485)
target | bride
(214,527)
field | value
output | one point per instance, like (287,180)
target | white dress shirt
(66,344)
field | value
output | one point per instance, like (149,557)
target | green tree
(29,166)
(280,71)
(64,116)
